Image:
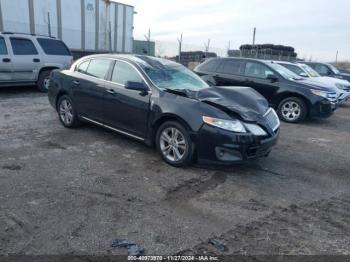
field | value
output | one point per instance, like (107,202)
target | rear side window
(231,67)
(257,70)
(22,46)
(210,66)
(82,68)
(53,47)
(124,72)
(3,48)
(98,68)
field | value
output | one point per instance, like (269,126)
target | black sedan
(164,104)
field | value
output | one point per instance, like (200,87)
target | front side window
(53,47)
(22,46)
(334,69)
(98,68)
(257,70)
(3,48)
(123,72)
(322,69)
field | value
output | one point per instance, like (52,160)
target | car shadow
(9,91)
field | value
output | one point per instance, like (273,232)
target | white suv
(29,59)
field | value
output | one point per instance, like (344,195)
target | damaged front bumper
(216,145)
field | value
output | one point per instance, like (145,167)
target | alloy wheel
(173,144)
(47,82)
(66,112)
(291,110)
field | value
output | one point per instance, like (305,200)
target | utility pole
(336,58)
(228,47)
(254,33)
(179,40)
(148,39)
(107,44)
(207,46)
(49,23)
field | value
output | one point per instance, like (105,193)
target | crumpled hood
(244,101)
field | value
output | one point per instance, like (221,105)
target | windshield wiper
(180,92)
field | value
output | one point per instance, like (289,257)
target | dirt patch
(289,231)
(54,145)
(194,187)
(12,167)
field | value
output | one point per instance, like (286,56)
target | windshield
(284,72)
(174,76)
(310,71)
(334,69)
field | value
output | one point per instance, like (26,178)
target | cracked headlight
(230,125)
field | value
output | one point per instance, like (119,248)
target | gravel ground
(74,191)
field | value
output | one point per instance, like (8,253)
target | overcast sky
(316,28)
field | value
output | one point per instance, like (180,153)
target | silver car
(303,70)
(29,59)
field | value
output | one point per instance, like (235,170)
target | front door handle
(36,60)
(76,82)
(6,60)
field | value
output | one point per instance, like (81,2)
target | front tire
(44,81)
(292,110)
(67,113)
(174,144)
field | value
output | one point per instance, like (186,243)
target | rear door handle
(6,60)
(36,60)
(76,82)
(111,91)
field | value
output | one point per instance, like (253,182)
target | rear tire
(174,144)
(67,113)
(292,110)
(44,81)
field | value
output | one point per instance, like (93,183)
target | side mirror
(329,73)
(303,74)
(137,86)
(272,78)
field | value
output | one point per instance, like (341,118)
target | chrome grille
(272,119)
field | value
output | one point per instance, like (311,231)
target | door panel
(26,59)
(5,62)
(88,85)
(230,73)
(256,74)
(126,109)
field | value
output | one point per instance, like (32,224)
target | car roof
(243,58)
(15,34)
(141,60)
